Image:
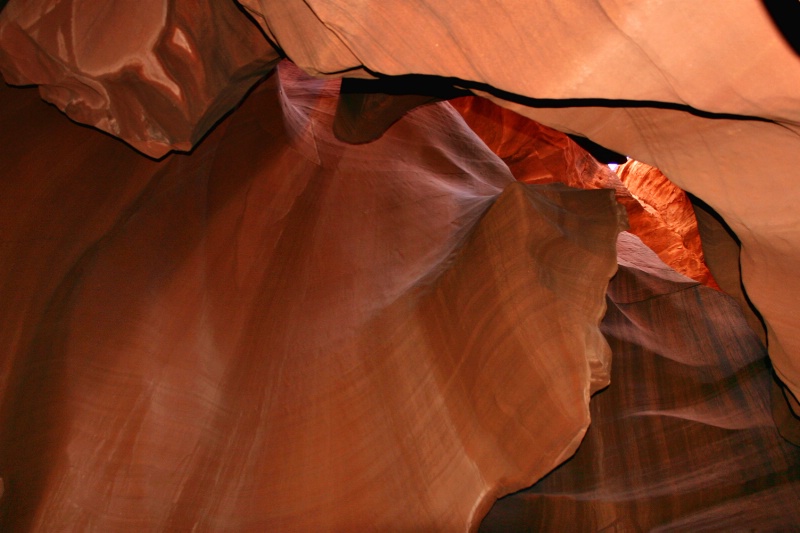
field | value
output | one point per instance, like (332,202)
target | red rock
(659,213)
(137,304)
(269,334)
(622,54)
(662,216)
(156,73)
(683,438)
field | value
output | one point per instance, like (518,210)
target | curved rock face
(282,330)
(682,440)
(531,56)
(567,60)
(156,73)
(578,50)
(665,219)
(659,213)
(271,334)
(721,253)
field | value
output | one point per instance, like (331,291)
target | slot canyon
(361,265)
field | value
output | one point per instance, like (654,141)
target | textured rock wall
(156,73)
(682,440)
(389,335)
(665,219)
(284,331)
(659,213)
(715,123)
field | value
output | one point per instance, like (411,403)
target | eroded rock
(659,213)
(157,73)
(270,334)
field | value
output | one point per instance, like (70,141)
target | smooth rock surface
(683,438)
(746,126)
(134,392)
(271,334)
(721,250)
(714,122)
(155,73)
(659,213)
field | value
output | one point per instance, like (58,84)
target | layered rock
(191,338)
(682,440)
(713,123)
(659,213)
(271,334)
(665,219)
(157,73)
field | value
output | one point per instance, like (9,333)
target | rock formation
(209,344)
(659,212)
(714,124)
(281,329)
(155,73)
(699,398)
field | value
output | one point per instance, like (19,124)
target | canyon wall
(278,329)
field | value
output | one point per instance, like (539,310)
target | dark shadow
(449,87)
(697,202)
(599,152)
(785,15)
(369,107)
(409,84)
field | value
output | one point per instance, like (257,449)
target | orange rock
(155,73)
(715,122)
(682,439)
(659,213)
(195,337)
(662,216)
(283,331)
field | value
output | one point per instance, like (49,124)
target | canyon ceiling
(337,265)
